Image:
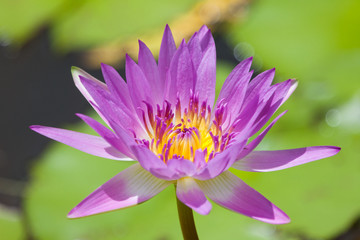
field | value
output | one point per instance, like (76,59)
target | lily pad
(10,223)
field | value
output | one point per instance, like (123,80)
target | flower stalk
(187,222)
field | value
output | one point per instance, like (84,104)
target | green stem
(186,221)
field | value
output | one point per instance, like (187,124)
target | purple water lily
(165,119)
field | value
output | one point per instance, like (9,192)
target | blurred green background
(317,42)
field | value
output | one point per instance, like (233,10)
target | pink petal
(128,188)
(266,161)
(84,142)
(232,193)
(189,192)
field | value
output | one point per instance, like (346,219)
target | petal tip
(294,82)
(167,28)
(336,149)
(271,71)
(205,208)
(249,59)
(141,43)
(284,220)
(128,60)
(74,69)
(35,128)
(103,66)
(247,62)
(80,115)
(280,217)
(74,214)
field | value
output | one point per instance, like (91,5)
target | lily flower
(165,119)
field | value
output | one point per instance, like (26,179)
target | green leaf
(22,19)
(10,224)
(78,25)
(315,42)
(97,22)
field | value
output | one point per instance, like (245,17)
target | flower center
(181,134)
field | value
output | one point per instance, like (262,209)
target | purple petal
(108,135)
(260,84)
(182,77)
(199,159)
(128,188)
(236,98)
(195,50)
(106,106)
(166,53)
(236,79)
(221,162)
(76,74)
(152,163)
(292,88)
(189,192)
(147,159)
(116,84)
(243,122)
(266,161)
(206,38)
(198,44)
(181,166)
(149,67)
(262,114)
(274,98)
(206,76)
(202,32)
(138,85)
(165,173)
(254,143)
(232,193)
(84,142)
